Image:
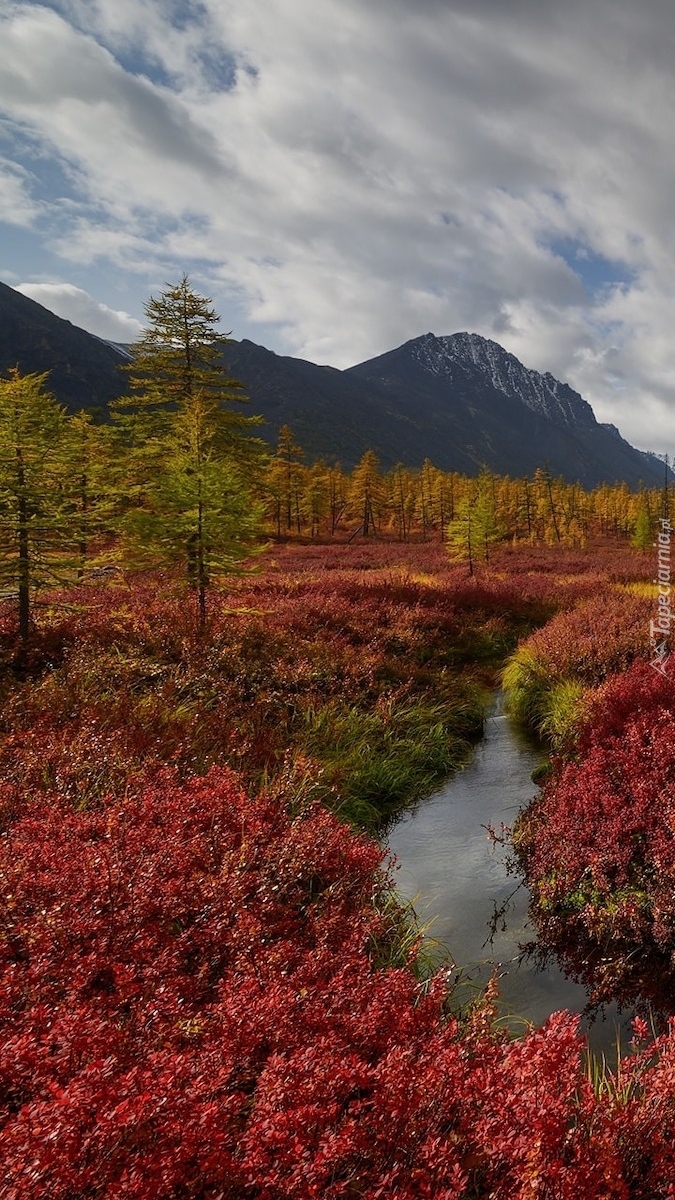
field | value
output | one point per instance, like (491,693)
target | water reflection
(457,880)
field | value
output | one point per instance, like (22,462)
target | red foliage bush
(188,1008)
(595,639)
(599,844)
(193,996)
(133,687)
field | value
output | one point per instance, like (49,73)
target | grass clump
(377,762)
(526,680)
(564,711)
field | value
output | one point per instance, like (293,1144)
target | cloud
(346,174)
(76,305)
(16,203)
(130,142)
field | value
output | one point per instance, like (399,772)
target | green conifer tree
(192,461)
(476,525)
(36,542)
(642,533)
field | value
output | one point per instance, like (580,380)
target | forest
(223,673)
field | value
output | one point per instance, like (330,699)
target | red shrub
(595,639)
(599,844)
(188,1009)
(190,1000)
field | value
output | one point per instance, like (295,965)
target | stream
(456,879)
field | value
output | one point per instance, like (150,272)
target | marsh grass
(615,1078)
(403,940)
(526,679)
(380,761)
(565,707)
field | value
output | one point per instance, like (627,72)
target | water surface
(457,880)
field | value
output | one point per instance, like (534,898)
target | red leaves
(193,1011)
(599,844)
(598,637)
(172,944)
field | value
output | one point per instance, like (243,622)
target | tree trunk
(24,552)
(201,566)
(82,544)
(24,573)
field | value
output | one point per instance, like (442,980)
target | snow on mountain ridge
(542,394)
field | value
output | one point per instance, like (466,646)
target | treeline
(313,500)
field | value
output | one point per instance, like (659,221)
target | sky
(339,176)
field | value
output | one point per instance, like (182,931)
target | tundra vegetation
(208,987)
(596,845)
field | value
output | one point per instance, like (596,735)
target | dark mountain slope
(333,414)
(84,371)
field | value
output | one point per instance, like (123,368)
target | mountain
(500,410)
(84,371)
(439,359)
(462,401)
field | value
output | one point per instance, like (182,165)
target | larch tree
(36,531)
(180,354)
(403,497)
(367,493)
(462,533)
(642,525)
(317,496)
(476,525)
(95,472)
(193,459)
(283,477)
(337,495)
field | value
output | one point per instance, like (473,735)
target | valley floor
(208,987)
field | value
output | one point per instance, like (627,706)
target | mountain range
(462,401)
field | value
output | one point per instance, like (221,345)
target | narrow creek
(457,879)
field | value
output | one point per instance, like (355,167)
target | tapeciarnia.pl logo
(659,629)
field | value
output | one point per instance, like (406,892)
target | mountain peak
(542,394)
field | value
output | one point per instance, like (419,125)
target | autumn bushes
(598,845)
(206,988)
(164,959)
(549,676)
(191,1005)
(358,678)
(372,677)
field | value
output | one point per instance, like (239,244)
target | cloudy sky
(342,175)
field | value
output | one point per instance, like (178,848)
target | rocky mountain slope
(486,404)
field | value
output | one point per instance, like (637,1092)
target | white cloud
(16,204)
(76,305)
(346,174)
